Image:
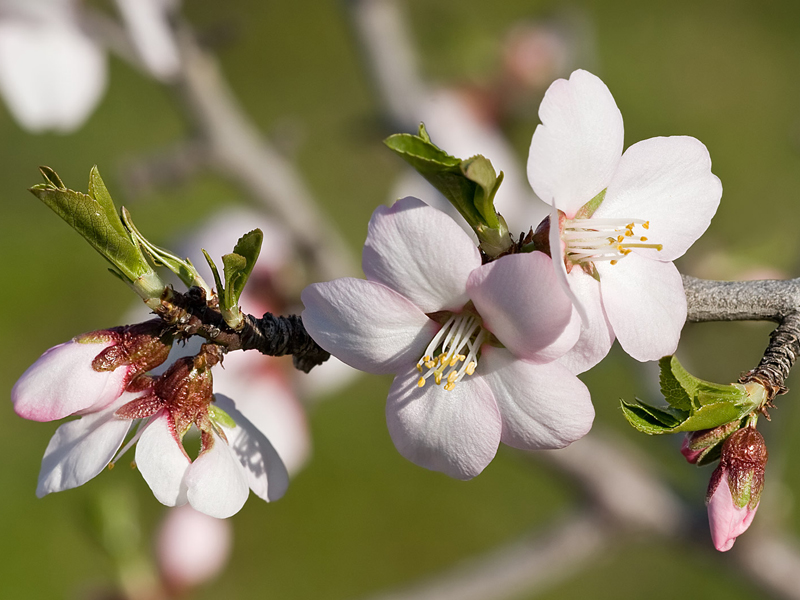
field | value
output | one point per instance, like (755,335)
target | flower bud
(192,548)
(704,446)
(735,487)
(89,372)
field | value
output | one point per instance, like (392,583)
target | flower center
(453,352)
(592,240)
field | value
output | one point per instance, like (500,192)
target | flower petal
(668,181)
(645,304)
(522,303)
(75,67)
(420,253)
(542,406)
(456,432)
(80,449)
(366,325)
(260,463)
(62,382)
(215,482)
(597,336)
(264,396)
(147,22)
(162,460)
(727,521)
(575,150)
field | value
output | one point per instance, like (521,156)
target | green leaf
(470,185)
(98,191)
(694,404)
(96,220)
(215,273)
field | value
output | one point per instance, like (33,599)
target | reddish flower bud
(703,446)
(735,487)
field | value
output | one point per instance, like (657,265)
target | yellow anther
(646,224)
(620,238)
(110,465)
(462,357)
(452,377)
(454,361)
(613,262)
(419,367)
(471,368)
(449,386)
(629,232)
(430,364)
(630,225)
(421,382)
(644,239)
(426,358)
(437,377)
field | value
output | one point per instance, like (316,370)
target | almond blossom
(234,456)
(619,219)
(472,346)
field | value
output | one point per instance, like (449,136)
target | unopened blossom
(734,491)
(89,372)
(619,219)
(472,346)
(234,455)
(191,548)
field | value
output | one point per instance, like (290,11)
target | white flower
(659,197)
(472,345)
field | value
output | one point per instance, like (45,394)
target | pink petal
(575,150)
(555,241)
(192,548)
(522,304)
(727,521)
(80,449)
(76,74)
(258,460)
(668,181)
(597,336)
(215,482)
(645,304)
(456,432)
(162,461)
(542,406)
(420,253)
(366,325)
(62,382)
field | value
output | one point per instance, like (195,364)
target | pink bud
(689,454)
(734,491)
(727,521)
(192,548)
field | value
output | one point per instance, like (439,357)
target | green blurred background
(359,518)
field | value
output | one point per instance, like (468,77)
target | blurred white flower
(147,22)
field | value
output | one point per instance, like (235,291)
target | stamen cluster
(592,240)
(444,354)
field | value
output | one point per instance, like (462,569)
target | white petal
(645,304)
(522,304)
(421,253)
(149,29)
(668,181)
(558,247)
(259,462)
(62,382)
(366,325)
(456,432)
(596,336)
(215,483)
(575,150)
(162,460)
(264,397)
(542,406)
(80,449)
(51,75)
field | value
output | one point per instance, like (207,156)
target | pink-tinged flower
(191,548)
(471,345)
(622,218)
(734,491)
(89,372)
(234,455)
